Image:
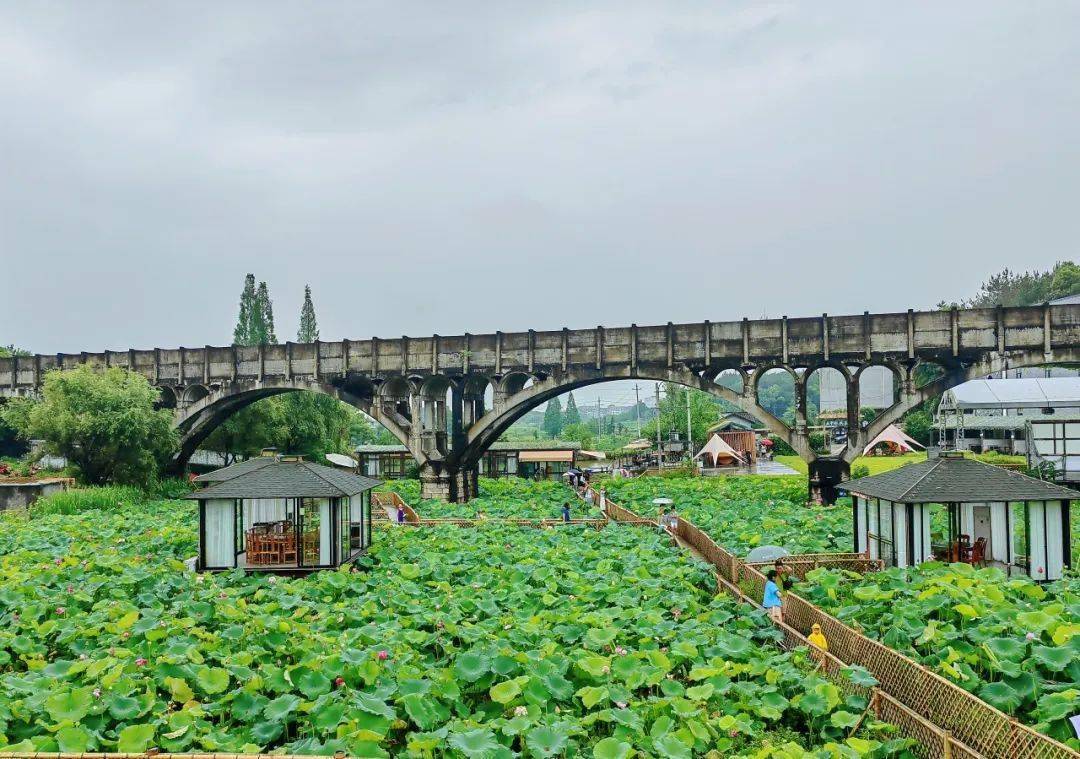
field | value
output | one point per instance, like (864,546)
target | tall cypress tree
(242,332)
(264,312)
(571,414)
(309,327)
(553,418)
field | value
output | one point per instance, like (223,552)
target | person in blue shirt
(566,512)
(400,515)
(772,602)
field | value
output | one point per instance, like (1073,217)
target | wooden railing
(390,501)
(945,719)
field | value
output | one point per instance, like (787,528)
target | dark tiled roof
(289,479)
(235,470)
(950,479)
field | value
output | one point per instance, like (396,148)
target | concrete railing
(958,333)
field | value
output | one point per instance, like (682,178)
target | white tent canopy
(718,449)
(896,436)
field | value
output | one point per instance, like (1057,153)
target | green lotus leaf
(474,743)
(124,707)
(471,666)
(546,741)
(424,711)
(265,732)
(505,692)
(669,745)
(135,739)
(73,740)
(1000,695)
(612,748)
(281,707)
(1054,659)
(212,679)
(312,683)
(71,705)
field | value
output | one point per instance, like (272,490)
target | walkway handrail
(937,742)
(964,724)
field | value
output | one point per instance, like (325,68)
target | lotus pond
(490,642)
(743,512)
(509,497)
(1011,641)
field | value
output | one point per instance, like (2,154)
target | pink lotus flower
(1031,636)
(70,589)
(97,692)
(620,704)
(339,681)
(383,655)
(605,669)
(521,711)
(140,662)
(620,650)
(60,610)
(733,733)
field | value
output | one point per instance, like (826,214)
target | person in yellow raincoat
(817,638)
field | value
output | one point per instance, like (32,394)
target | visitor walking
(400,514)
(566,512)
(771,601)
(817,638)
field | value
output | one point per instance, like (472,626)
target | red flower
(140,662)
(339,682)
(383,655)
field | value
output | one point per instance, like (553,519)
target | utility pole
(659,450)
(599,424)
(637,408)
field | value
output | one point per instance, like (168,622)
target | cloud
(471,167)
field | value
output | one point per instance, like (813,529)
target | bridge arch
(489,428)
(203,415)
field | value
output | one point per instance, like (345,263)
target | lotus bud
(383,655)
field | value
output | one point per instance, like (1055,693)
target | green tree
(704,412)
(315,425)
(553,418)
(264,317)
(309,327)
(571,415)
(243,333)
(919,424)
(1065,280)
(365,431)
(104,423)
(578,433)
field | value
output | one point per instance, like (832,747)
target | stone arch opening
(194,394)
(166,398)
(776,390)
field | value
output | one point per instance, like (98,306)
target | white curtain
(326,532)
(263,510)
(218,528)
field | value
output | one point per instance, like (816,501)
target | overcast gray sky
(448,167)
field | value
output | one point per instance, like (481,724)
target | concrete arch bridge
(433,392)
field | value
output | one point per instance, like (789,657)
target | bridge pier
(452,486)
(826,475)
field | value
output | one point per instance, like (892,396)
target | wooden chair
(978,553)
(288,549)
(262,552)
